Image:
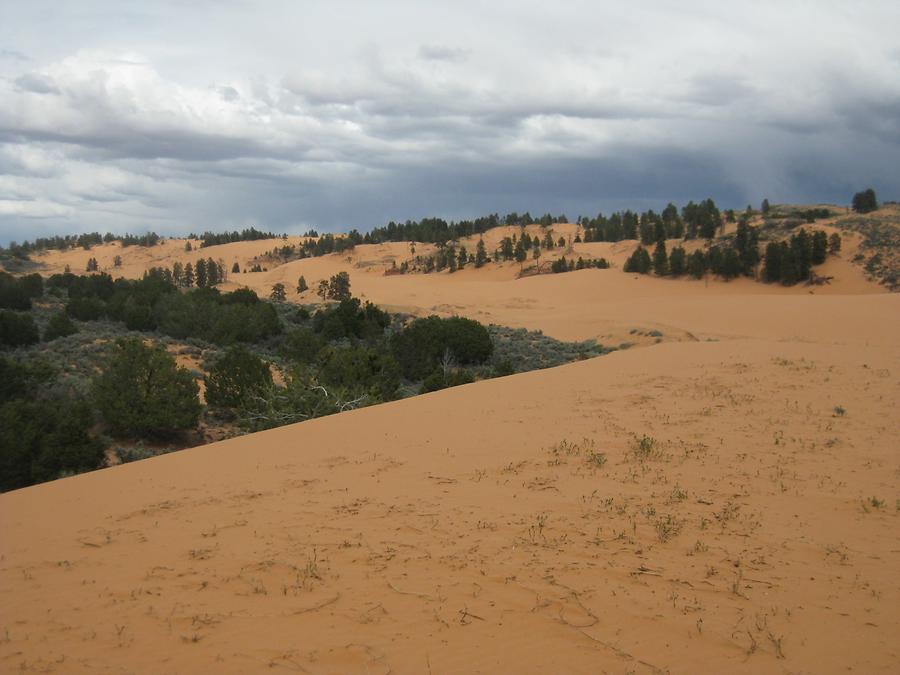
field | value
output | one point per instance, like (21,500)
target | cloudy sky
(180,116)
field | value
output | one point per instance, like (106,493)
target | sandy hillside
(725,501)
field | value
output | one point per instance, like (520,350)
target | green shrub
(421,345)
(17,329)
(142,392)
(236,376)
(17,293)
(301,346)
(60,325)
(42,440)
(441,379)
(87,308)
(360,369)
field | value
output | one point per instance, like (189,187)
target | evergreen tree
(143,392)
(278,293)
(480,254)
(117,261)
(301,284)
(660,259)
(463,257)
(188,275)
(520,253)
(212,273)
(677,261)
(236,377)
(639,261)
(697,264)
(772,267)
(200,273)
(819,247)
(834,243)
(188,247)
(765,207)
(339,287)
(865,201)
(177,273)
(746,243)
(731,263)
(236,268)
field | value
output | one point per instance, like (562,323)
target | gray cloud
(36,83)
(442,53)
(123,117)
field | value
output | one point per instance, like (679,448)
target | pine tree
(189,275)
(480,254)
(677,261)
(301,285)
(765,207)
(200,273)
(339,287)
(697,264)
(772,266)
(278,293)
(865,201)
(660,259)
(639,261)
(177,273)
(819,247)
(235,269)
(520,254)
(834,243)
(463,257)
(212,273)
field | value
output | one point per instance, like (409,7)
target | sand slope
(445,534)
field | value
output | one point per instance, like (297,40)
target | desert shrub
(443,378)
(521,350)
(421,345)
(43,439)
(86,308)
(143,392)
(351,320)
(60,325)
(301,346)
(21,380)
(17,329)
(138,451)
(218,318)
(360,369)
(17,292)
(235,377)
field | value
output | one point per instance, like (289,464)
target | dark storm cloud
(124,117)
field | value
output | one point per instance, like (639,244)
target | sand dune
(513,525)
(451,532)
